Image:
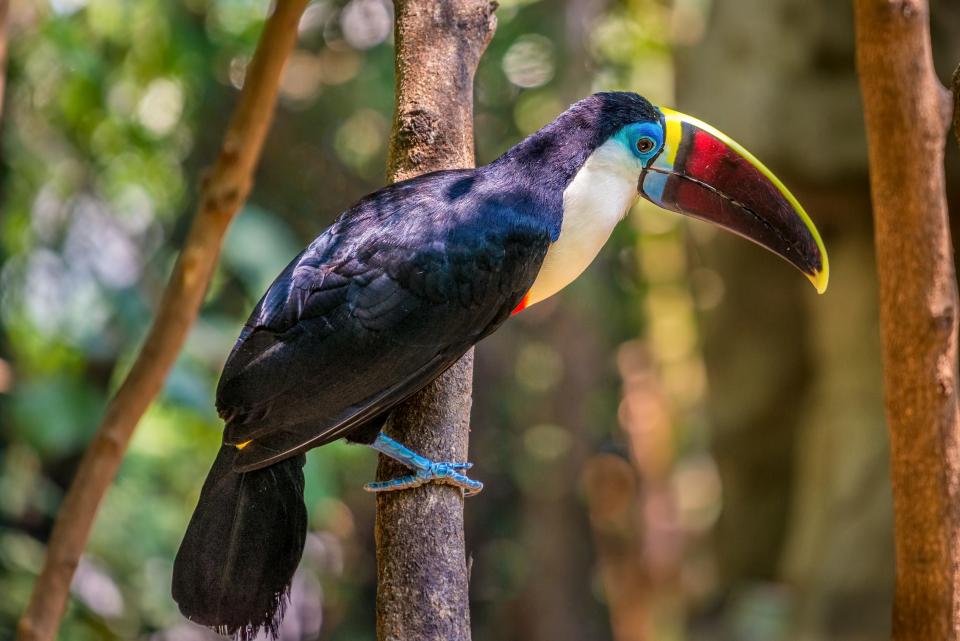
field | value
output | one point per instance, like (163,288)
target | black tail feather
(242,546)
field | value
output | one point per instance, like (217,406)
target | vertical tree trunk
(907,115)
(223,193)
(422,573)
(795,404)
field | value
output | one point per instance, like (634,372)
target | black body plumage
(380,304)
(242,547)
(393,293)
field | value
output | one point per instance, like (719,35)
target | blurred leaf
(55,415)
(258,246)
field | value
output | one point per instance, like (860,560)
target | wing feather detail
(384,301)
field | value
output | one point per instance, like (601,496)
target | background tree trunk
(795,398)
(422,575)
(906,107)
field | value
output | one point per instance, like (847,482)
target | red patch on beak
(710,162)
(523,304)
(708,156)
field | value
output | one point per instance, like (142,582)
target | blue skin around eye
(633,132)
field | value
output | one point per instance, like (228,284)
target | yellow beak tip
(820,280)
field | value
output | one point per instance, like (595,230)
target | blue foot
(426,470)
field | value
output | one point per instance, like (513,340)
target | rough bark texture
(224,191)
(422,574)
(907,108)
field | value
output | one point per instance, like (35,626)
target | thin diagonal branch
(224,191)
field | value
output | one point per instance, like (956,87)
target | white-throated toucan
(408,279)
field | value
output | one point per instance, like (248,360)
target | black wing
(374,309)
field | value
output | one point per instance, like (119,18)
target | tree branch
(422,577)
(907,116)
(956,103)
(223,192)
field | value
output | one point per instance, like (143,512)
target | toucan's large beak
(702,173)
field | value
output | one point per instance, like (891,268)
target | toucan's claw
(402,483)
(444,474)
(448,473)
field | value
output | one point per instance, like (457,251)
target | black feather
(378,306)
(242,546)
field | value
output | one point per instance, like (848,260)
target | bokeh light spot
(366,23)
(547,442)
(529,61)
(161,105)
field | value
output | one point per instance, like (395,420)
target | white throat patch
(594,202)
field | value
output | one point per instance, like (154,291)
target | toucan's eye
(645,144)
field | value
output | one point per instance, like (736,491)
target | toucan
(403,283)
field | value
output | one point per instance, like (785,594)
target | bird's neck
(546,162)
(580,184)
(594,201)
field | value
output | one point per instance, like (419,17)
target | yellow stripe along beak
(703,173)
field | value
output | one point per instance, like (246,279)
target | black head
(556,152)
